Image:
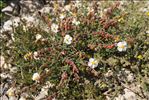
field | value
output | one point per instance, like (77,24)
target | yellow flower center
(147,13)
(10,92)
(122,46)
(67,39)
(139,57)
(93,62)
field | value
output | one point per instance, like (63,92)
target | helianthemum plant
(80,50)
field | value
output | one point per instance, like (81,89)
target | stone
(12,9)
(8,8)
(30,6)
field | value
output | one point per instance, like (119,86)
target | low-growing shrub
(84,51)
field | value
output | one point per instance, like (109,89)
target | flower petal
(120,49)
(91,59)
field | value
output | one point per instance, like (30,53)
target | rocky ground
(32,11)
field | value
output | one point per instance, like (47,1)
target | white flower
(67,39)
(76,22)
(62,16)
(54,28)
(122,46)
(10,92)
(92,63)
(129,95)
(38,37)
(35,55)
(36,77)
